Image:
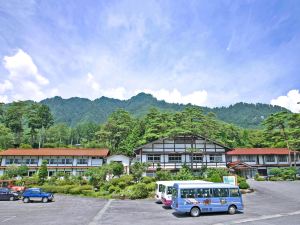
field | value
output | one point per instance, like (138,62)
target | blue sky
(210,53)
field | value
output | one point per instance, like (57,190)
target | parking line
(97,219)
(264,217)
(8,218)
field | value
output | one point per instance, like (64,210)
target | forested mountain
(75,110)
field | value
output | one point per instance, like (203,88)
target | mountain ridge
(76,109)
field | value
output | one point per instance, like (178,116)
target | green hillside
(75,110)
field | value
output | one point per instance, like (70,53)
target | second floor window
(215,158)
(282,158)
(82,161)
(270,158)
(31,161)
(175,158)
(247,158)
(13,161)
(153,158)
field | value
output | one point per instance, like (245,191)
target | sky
(208,53)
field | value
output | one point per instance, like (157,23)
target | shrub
(89,193)
(114,189)
(276,172)
(215,178)
(147,180)
(244,185)
(151,187)
(163,175)
(136,191)
(127,179)
(275,179)
(241,179)
(289,173)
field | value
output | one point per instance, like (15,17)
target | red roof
(259,151)
(56,152)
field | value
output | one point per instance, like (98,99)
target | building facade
(172,153)
(249,161)
(71,161)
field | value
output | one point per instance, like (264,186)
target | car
(7,194)
(37,194)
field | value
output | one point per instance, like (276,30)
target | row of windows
(268,158)
(209,193)
(67,161)
(178,158)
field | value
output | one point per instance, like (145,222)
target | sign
(230,180)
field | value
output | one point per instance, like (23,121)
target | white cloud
(174,96)
(91,82)
(118,93)
(289,101)
(24,80)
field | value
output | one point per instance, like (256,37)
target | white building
(172,153)
(249,161)
(73,161)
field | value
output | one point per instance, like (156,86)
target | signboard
(230,180)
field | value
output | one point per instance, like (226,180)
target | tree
(43,172)
(184,174)
(117,169)
(6,137)
(13,119)
(14,171)
(138,169)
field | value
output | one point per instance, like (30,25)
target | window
(234,192)
(174,193)
(175,158)
(69,161)
(203,193)
(51,173)
(153,158)
(82,161)
(160,188)
(220,192)
(31,173)
(169,190)
(215,158)
(270,158)
(52,161)
(282,158)
(187,193)
(247,158)
(197,158)
(30,161)
(13,161)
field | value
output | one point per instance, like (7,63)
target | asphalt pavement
(271,203)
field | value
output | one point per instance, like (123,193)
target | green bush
(241,179)
(275,178)
(244,185)
(122,185)
(163,175)
(136,191)
(151,187)
(127,179)
(289,173)
(89,193)
(114,189)
(147,180)
(277,172)
(215,178)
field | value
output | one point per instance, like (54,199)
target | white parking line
(264,217)
(7,218)
(97,219)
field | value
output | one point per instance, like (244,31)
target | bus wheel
(232,210)
(195,211)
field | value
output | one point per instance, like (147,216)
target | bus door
(219,199)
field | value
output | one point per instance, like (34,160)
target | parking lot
(271,203)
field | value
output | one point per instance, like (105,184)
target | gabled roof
(238,165)
(182,136)
(259,151)
(56,152)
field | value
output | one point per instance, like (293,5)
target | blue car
(37,194)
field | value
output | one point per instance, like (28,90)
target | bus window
(234,192)
(174,193)
(203,193)
(187,193)
(220,192)
(169,191)
(160,187)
